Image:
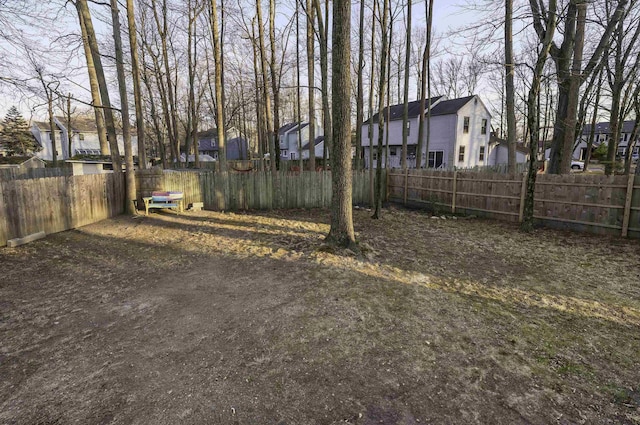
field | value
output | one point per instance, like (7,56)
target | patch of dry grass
(461,321)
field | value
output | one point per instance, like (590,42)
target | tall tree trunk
(360,92)
(617,83)
(311,65)
(171,116)
(257,88)
(372,196)
(324,72)
(510,86)
(428,65)
(191,83)
(83,9)
(265,94)
(137,90)
(130,193)
(274,80)
(533,118)
(341,232)
(423,95)
(95,90)
(298,104)
(52,125)
(382,85)
(69,128)
(215,36)
(594,121)
(405,111)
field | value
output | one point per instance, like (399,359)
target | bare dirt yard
(219,318)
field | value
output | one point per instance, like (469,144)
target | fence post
(523,192)
(406,184)
(455,188)
(627,205)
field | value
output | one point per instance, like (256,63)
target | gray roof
(396,111)
(452,106)
(286,127)
(291,126)
(318,140)
(605,128)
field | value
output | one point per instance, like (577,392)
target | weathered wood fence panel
(590,203)
(55,204)
(251,190)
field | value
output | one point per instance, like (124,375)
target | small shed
(82,167)
(21,162)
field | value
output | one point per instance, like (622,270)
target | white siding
(474,139)
(446,135)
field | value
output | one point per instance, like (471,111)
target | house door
(436,159)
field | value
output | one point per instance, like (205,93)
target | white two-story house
(83,134)
(288,138)
(459,134)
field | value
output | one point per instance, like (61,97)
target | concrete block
(12,243)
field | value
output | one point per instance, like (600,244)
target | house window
(81,136)
(466,125)
(408,128)
(284,153)
(481,153)
(393,151)
(436,159)
(483,129)
(461,154)
(293,155)
(375,156)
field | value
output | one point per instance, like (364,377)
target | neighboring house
(459,134)
(319,148)
(83,167)
(237,147)
(602,134)
(499,151)
(84,138)
(42,132)
(288,139)
(21,163)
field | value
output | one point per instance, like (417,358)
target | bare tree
(510,100)
(130,192)
(570,73)
(85,19)
(382,85)
(341,232)
(215,37)
(550,23)
(137,90)
(405,111)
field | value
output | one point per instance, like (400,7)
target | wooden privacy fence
(251,190)
(55,204)
(591,203)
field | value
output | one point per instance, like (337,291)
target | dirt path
(233,318)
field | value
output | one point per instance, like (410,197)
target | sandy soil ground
(249,319)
